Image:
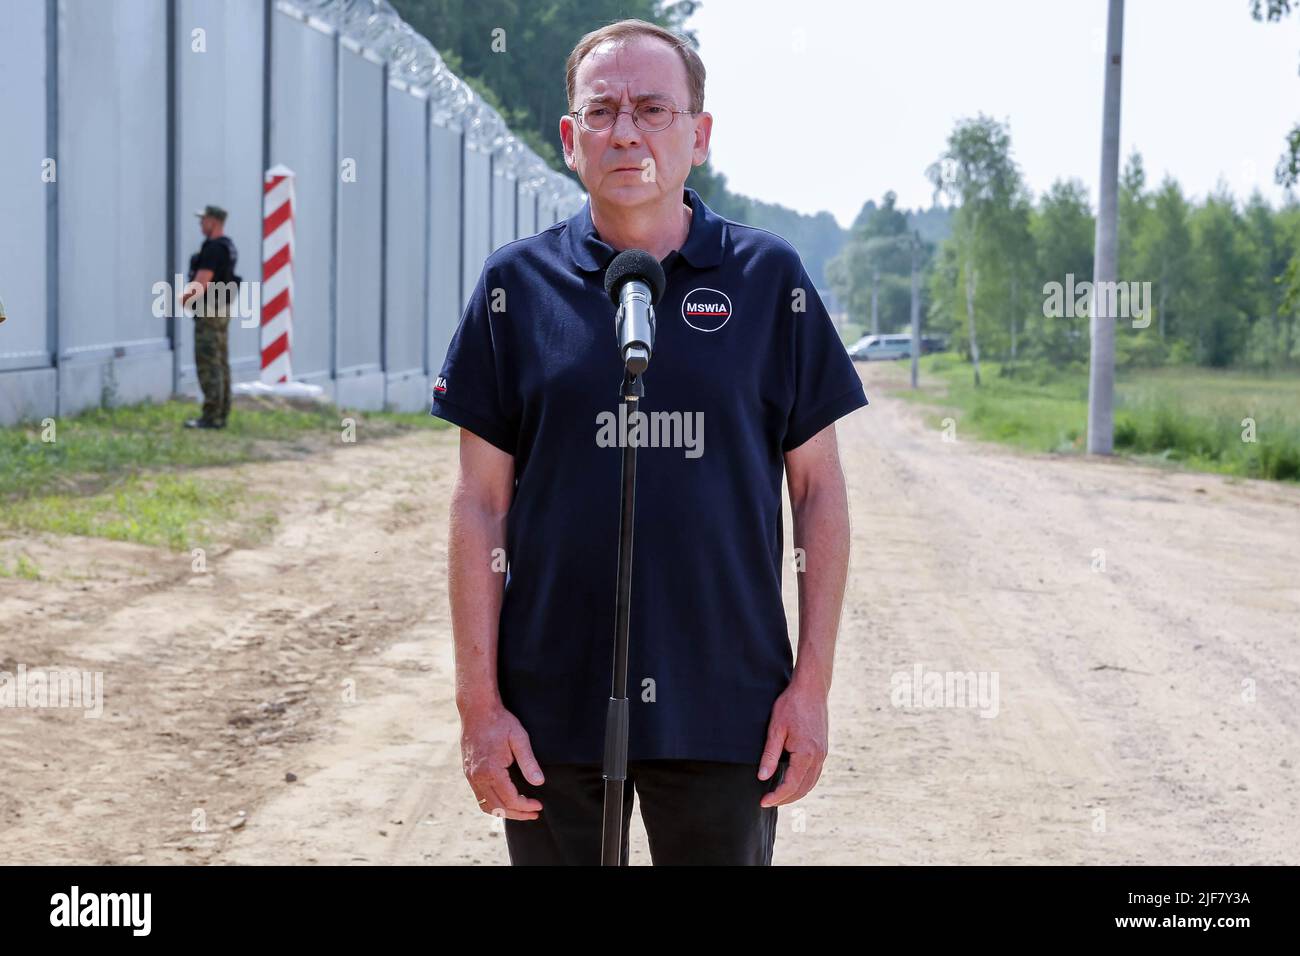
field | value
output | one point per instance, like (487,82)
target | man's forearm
(196,286)
(821,529)
(476,590)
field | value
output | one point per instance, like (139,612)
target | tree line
(1221,274)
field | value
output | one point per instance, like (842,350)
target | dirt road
(293,702)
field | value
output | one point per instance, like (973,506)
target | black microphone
(635,283)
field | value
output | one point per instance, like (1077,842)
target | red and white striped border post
(277,274)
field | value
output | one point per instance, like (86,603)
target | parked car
(871,348)
(933,343)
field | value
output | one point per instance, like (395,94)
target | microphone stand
(616,717)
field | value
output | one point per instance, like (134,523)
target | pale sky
(854,97)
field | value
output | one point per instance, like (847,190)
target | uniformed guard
(212,280)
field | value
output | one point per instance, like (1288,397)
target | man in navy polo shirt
(747,379)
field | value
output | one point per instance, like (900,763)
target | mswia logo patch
(706,310)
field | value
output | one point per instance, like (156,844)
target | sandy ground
(293,702)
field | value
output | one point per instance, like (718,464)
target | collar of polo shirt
(702,249)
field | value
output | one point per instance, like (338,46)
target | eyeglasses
(651,117)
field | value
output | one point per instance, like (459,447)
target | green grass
(103,445)
(120,473)
(1180,414)
(167,510)
(24,568)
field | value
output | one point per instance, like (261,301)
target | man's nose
(625,131)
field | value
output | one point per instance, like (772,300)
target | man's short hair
(626,30)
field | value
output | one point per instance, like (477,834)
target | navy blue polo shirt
(748,357)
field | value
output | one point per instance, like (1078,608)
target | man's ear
(703,133)
(566,140)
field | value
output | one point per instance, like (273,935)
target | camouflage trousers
(212,359)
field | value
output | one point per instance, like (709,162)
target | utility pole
(1101,365)
(875,312)
(916,305)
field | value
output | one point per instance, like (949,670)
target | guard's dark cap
(216,212)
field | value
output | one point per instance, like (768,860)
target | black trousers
(694,811)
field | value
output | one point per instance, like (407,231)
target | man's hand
(196,286)
(490,741)
(819,507)
(799,725)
